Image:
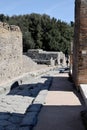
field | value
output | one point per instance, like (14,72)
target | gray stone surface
(24,128)
(15,103)
(29,119)
(15,119)
(5,123)
(18,108)
(1,128)
(34,108)
(11,127)
(43,92)
(4,116)
(44,57)
(40,99)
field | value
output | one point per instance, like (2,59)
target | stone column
(80,43)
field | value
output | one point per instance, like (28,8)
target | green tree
(41,31)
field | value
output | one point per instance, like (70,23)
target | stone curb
(36,87)
(34,108)
(83,90)
(30,118)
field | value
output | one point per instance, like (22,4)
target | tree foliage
(42,32)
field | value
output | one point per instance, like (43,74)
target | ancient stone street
(20,107)
(62,107)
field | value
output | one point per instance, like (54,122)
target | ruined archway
(80,43)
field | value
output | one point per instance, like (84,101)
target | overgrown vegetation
(41,31)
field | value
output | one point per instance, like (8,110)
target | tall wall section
(80,43)
(10,52)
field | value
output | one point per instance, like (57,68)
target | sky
(59,9)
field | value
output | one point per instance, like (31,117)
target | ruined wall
(50,58)
(80,43)
(10,52)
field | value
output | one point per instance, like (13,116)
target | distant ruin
(12,61)
(47,57)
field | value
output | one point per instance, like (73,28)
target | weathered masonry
(10,52)
(80,43)
(44,57)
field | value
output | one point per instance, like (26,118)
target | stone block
(15,119)
(30,119)
(1,128)
(11,127)
(4,116)
(40,99)
(25,128)
(34,108)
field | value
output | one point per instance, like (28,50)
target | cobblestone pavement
(20,106)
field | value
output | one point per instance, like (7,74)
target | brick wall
(80,43)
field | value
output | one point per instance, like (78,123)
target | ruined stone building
(12,61)
(45,57)
(10,51)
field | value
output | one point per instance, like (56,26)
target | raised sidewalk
(62,107)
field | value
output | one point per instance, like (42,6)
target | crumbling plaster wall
(10,52)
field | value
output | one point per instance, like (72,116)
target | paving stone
(29,119)
(46,87)
(43,92)
(6,109)
(34,108)
(11,127)
(4,116)
(35,91)
(16,114)
(25,128)
(5,123)
(24,93)
(23,86)
(1,128)
(40,99)
(14,91)
(15,119)
(48,82)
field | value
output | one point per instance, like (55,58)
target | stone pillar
(80,43)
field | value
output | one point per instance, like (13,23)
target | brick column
(80,43)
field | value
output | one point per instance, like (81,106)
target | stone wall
(10,52)
(80,43)
(44,57)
